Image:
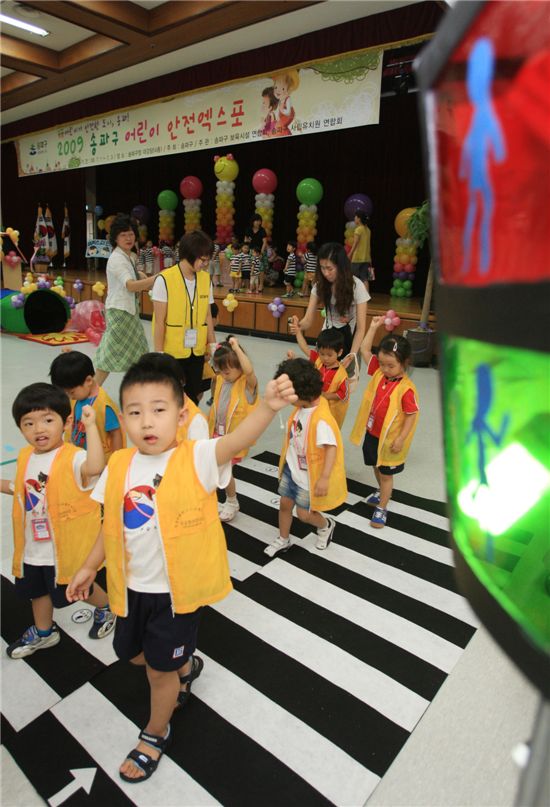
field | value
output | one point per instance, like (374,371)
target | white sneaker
(31,641)
(277,546)
(324,536)
(229,510)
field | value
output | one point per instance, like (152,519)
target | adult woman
(359,253)
(343,296)
(124,342)
(182,320)
(256,235)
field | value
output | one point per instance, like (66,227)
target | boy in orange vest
(74,372)
(163,541)
(330,346)
(311,470)
(53,479)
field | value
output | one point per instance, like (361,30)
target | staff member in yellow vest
(359,254)
(182,322)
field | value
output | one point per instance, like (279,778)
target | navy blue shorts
(37,581)
(370,455)
(166,640)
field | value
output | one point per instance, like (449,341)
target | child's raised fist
(88,416)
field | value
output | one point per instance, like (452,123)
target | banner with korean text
(336,93)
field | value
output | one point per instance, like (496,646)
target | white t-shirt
(298,442)
(40,553)
(198,428)
(120,269)
(146,570)
(333,318)
(160,291)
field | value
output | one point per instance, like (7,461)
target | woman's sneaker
(324,536)
(31,641)
(103,624)
(277,546)
(229,510)
(379,517)
(374,498)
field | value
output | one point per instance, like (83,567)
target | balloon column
(226,170)
(309,193)
(391,320)
(191,190)
(277,307)
(264,183)
(405,257)
(141,214)
(230,302)
(355,202)
(167,202)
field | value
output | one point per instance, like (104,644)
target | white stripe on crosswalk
(240,568)
(293,742)
(339,667)
(25,695)
(395,629)
(107,735)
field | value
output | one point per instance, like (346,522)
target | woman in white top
(343,296)
(124,342)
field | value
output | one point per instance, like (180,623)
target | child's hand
(321,487)
(290,354)
(66,350)
(376,322)
(293,325)
(397,445)
(88,416)
(233,343)
(279,392)
(80,585)
(347,360)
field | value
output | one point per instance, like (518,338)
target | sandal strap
(143,761)
(154,740)
(196,667)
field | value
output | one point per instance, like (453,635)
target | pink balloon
(264,181)
(191,187)
(94,336)
(387,322)
(388,327)
(395,321)
(390,313)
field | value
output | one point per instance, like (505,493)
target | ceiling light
(26,26)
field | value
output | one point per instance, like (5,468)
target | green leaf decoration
(349,68)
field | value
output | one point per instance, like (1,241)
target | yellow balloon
(401,222)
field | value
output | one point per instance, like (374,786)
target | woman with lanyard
(123,342)
(256,236)
(343,296)
(182,319)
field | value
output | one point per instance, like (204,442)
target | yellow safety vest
(237,410)
(338,408)
(192,412)
(183,313)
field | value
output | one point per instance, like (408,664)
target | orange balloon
(108,221)
(401,222)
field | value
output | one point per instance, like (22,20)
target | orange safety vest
(193,411)
(393,421)
(237,410)
(102,400)
(315,455)
(192,537)
(338,408)
(75,519)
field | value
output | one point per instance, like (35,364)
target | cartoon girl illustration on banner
(268,112)
(283,85)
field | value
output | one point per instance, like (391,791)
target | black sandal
(196,668)
(143,761)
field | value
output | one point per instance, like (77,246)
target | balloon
(281,307)
(387,322)
(108,221)
(277,301)
(390,313)
(167,200)
(395,321)
(226,168)
(98,210)
(141,213)
(264,181)
(402,275)
(101,224)
(309,191)
(276,314)
(401,221)
(93,335)
(191,187)
(225,303)
(355,202)
(400,292)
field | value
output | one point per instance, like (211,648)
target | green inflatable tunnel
(44,311)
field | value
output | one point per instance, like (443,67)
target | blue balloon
(98,210)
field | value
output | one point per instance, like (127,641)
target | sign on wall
(336,93)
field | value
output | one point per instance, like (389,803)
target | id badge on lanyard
(41,529)
(190,337)
(302,462)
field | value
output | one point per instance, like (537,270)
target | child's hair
(195,245)
(245,244)
(257,249)
(362,216)
(312,247)
(268,93)
(398,346)
(71,369)
(121,224)
(224,356)
(331,338)
(236,244)
(155,368)
(291,77)
(292,243)
(342,288)
(306,378)
(39,396)
(214,310)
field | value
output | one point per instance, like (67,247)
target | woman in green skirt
(123,342)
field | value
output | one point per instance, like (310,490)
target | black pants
(192,366)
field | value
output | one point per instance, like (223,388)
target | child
(268,112)
(311,470)
(257,271)
(310,267)
(167,557)
(275,266)
(290,269)
(246,264)
(388,415)
(330,346)
(74,372)
(235,267)
(235,395)
(55,522)
(215,270)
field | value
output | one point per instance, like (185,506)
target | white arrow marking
(82,778)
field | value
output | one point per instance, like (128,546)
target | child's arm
(341,394)
(300,338)
(246,364)
(278,393)
(321,486)
(6,487)
(397,444)
(116,439)
(366,344)
(95,458)
(81,583)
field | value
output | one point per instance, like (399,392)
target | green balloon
(393,291)
(297,283)
(309,191)
(400,292)
(397,283)
(408,293)
(167,200)
(299,275)
(407,284)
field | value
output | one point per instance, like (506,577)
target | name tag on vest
(190,338)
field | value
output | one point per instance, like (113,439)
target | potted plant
(421,337)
